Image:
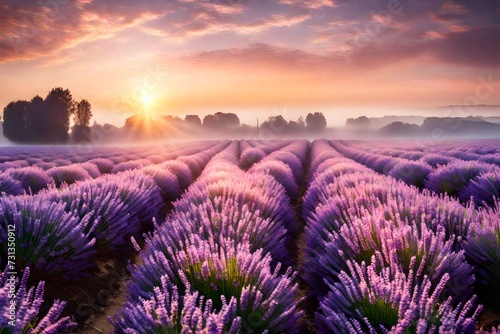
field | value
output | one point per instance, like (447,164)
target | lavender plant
(33,179)
(281,173)
(485,190)
(23,315)
(68,174)
(251,156)
(10,186)
(452,178)
(49,240)
(167,312)
(165,180)
(105,166)
(413,173)
(389,301)
(266,300)
(181,170)
(482,249)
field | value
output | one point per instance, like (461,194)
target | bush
(166,181)
(33,179)
(265,300)
(125,166)
(9,186)
(437,160)
(181,170)
(104,165)
(27,307)
(484,190)
(68,174)
(366,300)
(454,177)
(482,249)
(48,239)
(413,173)
(250,157)
(281,173)
(165,311)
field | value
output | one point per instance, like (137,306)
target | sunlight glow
(147,100)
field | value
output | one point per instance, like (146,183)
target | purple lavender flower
(251,156)
(436,160)
(269,297)
(68,174)
(10,186)
(484,190)
(181,170)
(482,249)
(113,206)
(369,300)
(413,173)
(33,179)
(452,178)
(48,239)
(104,165)
(165,180)
(280,171)
(291,160)
(27,308)
(91,168)
(126,166)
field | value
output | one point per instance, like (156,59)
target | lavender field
(250,236)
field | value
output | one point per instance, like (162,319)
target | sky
(253,57)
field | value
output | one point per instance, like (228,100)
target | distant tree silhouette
(14,126)
(36,120)
(172,120)
(60,105)
(275,124)
(400,129)
(221,120)
(316,122)
(83,113)
(40,120)
(81,130)
(360,122)
(193,120)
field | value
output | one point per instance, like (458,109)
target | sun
(147,100)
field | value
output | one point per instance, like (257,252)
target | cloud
(266,57)
(474,47)
(30,31)
(310,4)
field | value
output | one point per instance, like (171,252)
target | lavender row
(387,254)
(465,179)
(214,265)
(31,179)
(65,155)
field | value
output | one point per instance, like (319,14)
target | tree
(36,119)
(276,124)
(360,122)
(219,121)
(44,120)
(14,125)
(83,113)
(316,122)
(81,130)
(60,106)
(193,120)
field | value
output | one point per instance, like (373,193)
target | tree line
(47,121)
(314,122)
